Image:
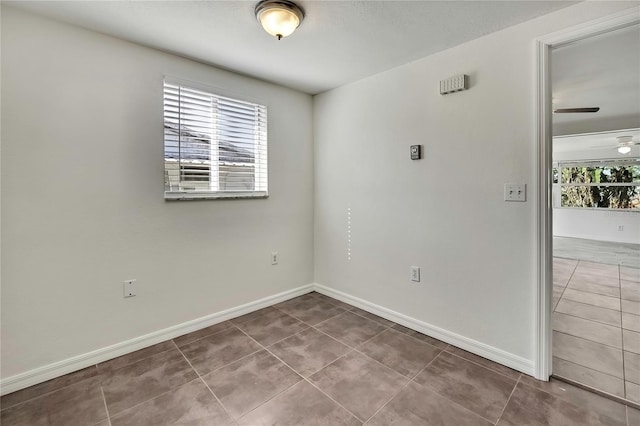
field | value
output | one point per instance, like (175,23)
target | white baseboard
(494,354)
(51,371)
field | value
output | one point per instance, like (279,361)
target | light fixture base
(279,18)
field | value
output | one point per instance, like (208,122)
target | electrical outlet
(620,227)
(515,192)
(415,273)
(274,257)
(129,287)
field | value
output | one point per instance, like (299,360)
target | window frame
(602,163)
(261,151)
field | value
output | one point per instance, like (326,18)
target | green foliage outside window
(600,186)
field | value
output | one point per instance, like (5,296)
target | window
(214,146)
(609,184)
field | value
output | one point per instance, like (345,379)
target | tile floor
(624,254)
(596,326)
(311,360)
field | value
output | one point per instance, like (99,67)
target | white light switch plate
(515,192)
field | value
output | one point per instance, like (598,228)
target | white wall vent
(454,84)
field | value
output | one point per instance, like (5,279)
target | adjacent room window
(214,146)
(613,184)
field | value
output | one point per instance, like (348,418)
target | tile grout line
(151,399)
(303,379)
(309,324)
(3,408)
(593,292)
(589,319)
(133,362)
(205,383)
(508,399)
(566,286)
(431,389)
(388,327)
(417,338)
(352,348)
(589,304)
(484,366)
(624,374)
(355,349)
(272,397)
(619,327)
(203,337)
(590,340)
(377,322)
(106,409)
(588,368)
(457,403)
(302,320)
(411,379)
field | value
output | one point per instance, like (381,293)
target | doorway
(589,195)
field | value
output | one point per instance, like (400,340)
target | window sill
(603,209)
(191,196)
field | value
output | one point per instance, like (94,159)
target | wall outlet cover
(129,288)
(415,273)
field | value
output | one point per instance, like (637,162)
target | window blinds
(214,146)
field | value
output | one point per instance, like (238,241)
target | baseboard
(494,354)
(51,371)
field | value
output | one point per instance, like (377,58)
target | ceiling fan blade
(571,110)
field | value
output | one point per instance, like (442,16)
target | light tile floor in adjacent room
(623,254)
(311,360)
(596,326)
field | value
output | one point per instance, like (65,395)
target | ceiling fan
(623,145)
(574,110)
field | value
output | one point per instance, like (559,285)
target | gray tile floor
(312,360)
(596,326)
(623,254)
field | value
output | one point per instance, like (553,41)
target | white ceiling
(337,43)
(602,71)
(594,145)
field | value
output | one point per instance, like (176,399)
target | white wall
(599,225)
(444,213)
(82,198)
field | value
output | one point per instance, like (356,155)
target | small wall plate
(416,152)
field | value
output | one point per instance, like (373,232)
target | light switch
(515,192)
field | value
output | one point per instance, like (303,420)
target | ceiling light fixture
(624,149)
(279,18)
(624,144)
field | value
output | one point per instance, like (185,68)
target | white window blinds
(214,146)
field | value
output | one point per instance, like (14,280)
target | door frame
(544,212)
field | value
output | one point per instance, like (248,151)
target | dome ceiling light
(279,18)
(624,144)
